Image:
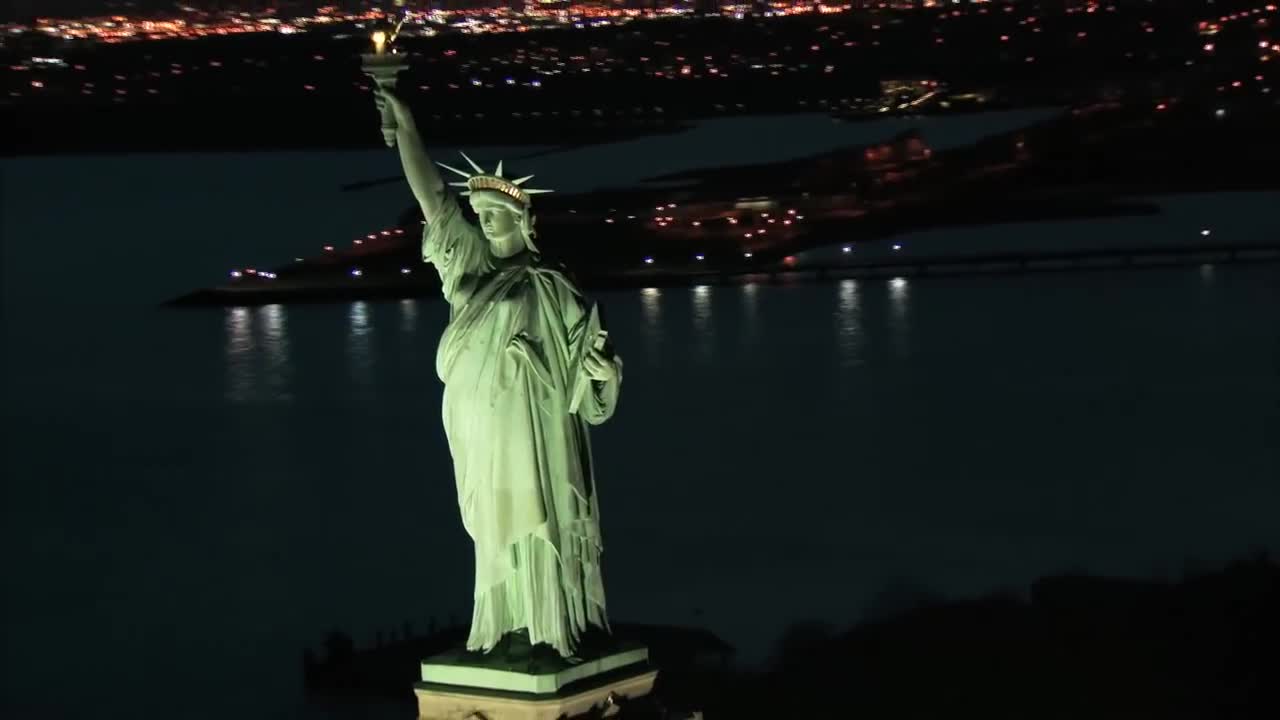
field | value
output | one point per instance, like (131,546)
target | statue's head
(506,223)
(503,208)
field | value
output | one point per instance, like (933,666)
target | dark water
(193,497)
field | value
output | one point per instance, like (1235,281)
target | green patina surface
(527,368)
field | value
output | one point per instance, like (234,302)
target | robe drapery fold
(522,461)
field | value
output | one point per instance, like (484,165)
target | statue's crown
(481,180)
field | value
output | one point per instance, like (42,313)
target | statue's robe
(509,359)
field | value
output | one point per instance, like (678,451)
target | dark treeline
(1071,645)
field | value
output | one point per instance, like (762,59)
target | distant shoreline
(971,265)
(1039,173)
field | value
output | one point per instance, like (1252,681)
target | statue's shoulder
(557,275)
(450,217)
(555,272)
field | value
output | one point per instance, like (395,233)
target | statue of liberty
(526,368)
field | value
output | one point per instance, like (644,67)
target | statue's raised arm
(451,243)
(421,173)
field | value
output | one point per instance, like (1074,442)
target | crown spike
(481,180)
(473,163)
(454,169)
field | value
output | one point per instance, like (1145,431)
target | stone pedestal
(469,686)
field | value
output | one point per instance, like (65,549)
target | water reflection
(275,347)
(257,353)
(703,327)
(651,311)
(849,333)
(899,325)
(239,351)
(750,325)
(360,343)
(1206,273)
(408,316)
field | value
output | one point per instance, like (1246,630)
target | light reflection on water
(849,332)
(651,311)
(703,327)
(257,355)
(240,355)
(899,320)
(750,314)
(408,316)
(360,343)
(275,346)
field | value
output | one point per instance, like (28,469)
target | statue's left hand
(599,367)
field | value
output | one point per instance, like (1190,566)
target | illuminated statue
(526,368)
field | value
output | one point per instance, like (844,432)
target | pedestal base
(595,694)
(520,681)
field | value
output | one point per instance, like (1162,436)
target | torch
(383,65)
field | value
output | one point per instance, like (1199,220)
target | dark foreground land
(1069,646)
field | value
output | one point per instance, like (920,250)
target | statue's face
(501,226)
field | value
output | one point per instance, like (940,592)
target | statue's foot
(515,645)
